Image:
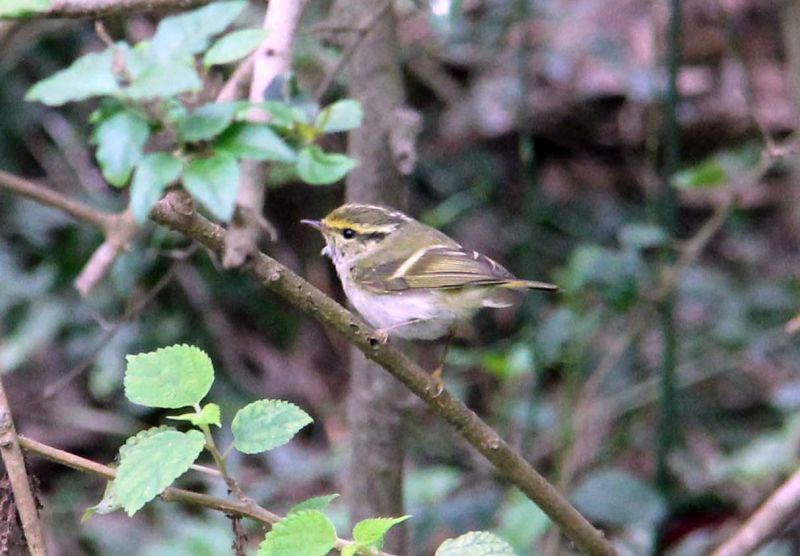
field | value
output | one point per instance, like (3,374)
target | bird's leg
(437,372)
(381,335)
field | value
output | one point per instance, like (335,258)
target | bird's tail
(530,285)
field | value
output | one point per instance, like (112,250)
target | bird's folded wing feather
(432,268)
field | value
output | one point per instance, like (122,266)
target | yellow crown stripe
(341,224)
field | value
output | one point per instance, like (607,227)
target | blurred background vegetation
(542,147)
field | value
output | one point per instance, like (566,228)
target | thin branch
(102,8)
(363,31)
(176,211)
(171,494)
(18,477)
(272,58)
(774,514)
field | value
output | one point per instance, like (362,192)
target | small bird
(408,279)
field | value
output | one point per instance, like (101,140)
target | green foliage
(206,122)
(315,503)
(708,174)
(317,167)
(153,174)
(521,522)
(267,424)
(120,140)
(342,115)
(615,497)
(88,76)
(476,543)
(171,377)
(21,8)
(254,141)
(304,533)
(214,182)
(209,415)
(370,533)
(234,46)
(153,78)
(152,464)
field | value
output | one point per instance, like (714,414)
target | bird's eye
(348,233)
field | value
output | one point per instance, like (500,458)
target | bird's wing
(438,266)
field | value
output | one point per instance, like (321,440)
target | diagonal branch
(176,211)
(101,8)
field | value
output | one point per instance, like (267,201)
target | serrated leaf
(88,76)
(307,533)
(342,115)
(132,441)
(189,32)
(206,122)
(209,415)
(615,497)
(254,141)
(152,176)
(234,46)
(317,167)
(153,464)
(214,182)
(267,424)
(120,140)
(370,532)
(315,503)
(171,377)
(22,8)
(475,543)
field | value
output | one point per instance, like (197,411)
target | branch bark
(775,513)
(271,59)
(101,8)
(14,463)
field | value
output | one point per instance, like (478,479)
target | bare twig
(18,477)
(101,8)
(766,521)
(363,30)
(271,58)
(171,494)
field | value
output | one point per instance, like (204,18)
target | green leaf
(132,441)
(521,522)
(120,140)
(255,142)
(109,504)
(282,114)
(707,174)
(188,33)
(351,549)
(163,80)
(317,167)
(214,182)
(153,464)
(206,122)
(171,377)
(315,503)
(618,498)
(209,415)
(340,116)
(153,174)
(307,533)
(267,424)
(22,8)
(88,76)
(475,543)
(370,532)
(234,46)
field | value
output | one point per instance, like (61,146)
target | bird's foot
(436,375)
(378,336)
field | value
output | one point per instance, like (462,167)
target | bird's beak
(313,223)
